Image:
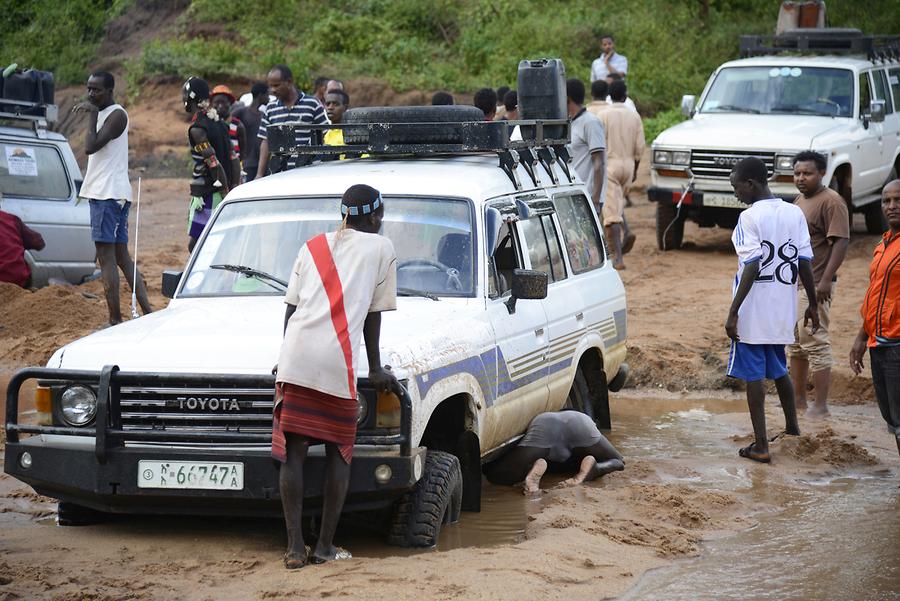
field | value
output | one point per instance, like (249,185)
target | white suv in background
(845,106)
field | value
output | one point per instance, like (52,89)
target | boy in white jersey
(772,244)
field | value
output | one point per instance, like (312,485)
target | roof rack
(38,114)
(823,41)
(474,137)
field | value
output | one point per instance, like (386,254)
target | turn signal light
(388,410)
(44,405)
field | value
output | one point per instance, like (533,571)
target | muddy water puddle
(828,535)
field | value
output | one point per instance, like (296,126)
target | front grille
(197,409)
(718,164)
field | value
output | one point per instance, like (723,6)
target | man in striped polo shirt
(290,106)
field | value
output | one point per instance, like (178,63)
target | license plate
(727,201)
(190,474)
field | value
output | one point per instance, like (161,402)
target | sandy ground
(586,543)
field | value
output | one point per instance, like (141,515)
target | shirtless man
(562,441)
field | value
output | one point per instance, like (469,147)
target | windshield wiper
(412,292)
(262,276)
(792,110)
(734,107)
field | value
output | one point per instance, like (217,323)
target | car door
(37,187)
(521,337)
(891,126)
(565,316)
(868,138)
(592,296)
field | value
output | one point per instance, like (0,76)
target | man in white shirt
(773,248)
(107,188)
(608,62)
(340,283)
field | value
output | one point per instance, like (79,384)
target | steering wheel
(453,282)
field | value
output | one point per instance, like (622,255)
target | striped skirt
(314,415)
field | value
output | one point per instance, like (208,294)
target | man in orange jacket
(881,315)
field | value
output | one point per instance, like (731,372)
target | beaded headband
(362,209)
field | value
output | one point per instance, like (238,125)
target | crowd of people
(779,245)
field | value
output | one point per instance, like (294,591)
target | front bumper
(694,198)
(66,468)
(98,466)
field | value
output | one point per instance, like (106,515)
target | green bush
(662,120)
(55,36)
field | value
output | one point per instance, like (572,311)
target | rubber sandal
(339,555)
(297,563)
(781,435)
(745,452)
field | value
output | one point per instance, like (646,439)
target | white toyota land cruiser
(837,92)
(509,308)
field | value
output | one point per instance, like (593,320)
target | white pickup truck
(843,101)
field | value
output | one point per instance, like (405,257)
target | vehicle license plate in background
(190,474)
(722,200)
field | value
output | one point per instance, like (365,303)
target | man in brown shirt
(829,233)
(624,147)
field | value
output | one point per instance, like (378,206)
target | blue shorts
(109,222)
(752,362)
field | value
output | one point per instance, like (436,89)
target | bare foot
(817,411)
(753,453)
(800,405)
(587,464)
(532,484)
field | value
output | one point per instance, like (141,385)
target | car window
(536,245)
(883,91)
(432,238)
(32,171)
(579,232)
(556,261)
(503,262)
(894,82)
(865,94)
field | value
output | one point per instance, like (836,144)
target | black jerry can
(542,95)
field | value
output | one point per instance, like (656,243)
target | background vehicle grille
(220,409)
(719,163)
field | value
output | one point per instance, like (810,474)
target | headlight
(784,163)
(681,157)
(78,405)
(662,157)
(362,408)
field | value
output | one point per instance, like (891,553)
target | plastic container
(29,86)
(542,94)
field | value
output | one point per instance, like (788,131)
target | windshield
(781,91)
(252,245)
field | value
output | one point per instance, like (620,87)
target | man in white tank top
(107,188)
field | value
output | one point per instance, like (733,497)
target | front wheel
(579,397)
(435,500)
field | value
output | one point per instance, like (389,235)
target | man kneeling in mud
(563,441)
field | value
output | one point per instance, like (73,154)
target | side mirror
(876,111)
(688,104)
(527,284)
(170,279)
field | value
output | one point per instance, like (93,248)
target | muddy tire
(875,221)
(434,501)
(70,514)
(579,397)
(665,215)
(429,116)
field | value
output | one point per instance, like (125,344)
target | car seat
(455,250)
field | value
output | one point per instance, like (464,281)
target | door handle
(579,316)
(539,332)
